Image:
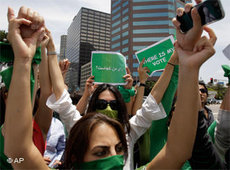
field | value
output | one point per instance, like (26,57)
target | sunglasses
(203,91)
(102,104)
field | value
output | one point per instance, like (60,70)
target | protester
(204,95)
(183,126)
(55,143)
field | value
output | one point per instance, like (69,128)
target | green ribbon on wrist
(7,56)
(126,93)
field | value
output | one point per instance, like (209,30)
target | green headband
(7,56)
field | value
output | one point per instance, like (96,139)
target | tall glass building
(136,24)
(63,47)
(89,31)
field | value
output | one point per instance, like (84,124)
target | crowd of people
(99,129)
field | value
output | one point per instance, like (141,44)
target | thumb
(178,48)
(10,14)
(38,35)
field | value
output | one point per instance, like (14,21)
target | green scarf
(109,112)
(126,93)
(109,163)
(7,56)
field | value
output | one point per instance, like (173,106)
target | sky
(59,14)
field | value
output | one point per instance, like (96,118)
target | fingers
(198,1)
(196,20)
(38,35)
(127,70)
(10,14)
(211,34)
(188,7)
(31,15)
(179,11)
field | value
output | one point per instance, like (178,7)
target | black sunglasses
(102,104)
(203,91)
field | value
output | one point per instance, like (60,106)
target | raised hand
(129,79)
(89,86)
(188,40)
(142,71)
(202,51)
(36,22)
(24,46)
(64,66)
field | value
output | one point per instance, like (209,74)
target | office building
(63,47)
(89,31)
(85,74)
(136,24)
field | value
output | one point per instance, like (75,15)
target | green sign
(157,55)
(108,67)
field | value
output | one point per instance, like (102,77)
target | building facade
(85,74)
(136,24)
(63,41)
(89,31)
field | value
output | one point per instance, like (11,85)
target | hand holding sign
(157,55)
(108,67)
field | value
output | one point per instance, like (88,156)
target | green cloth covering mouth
(7,56)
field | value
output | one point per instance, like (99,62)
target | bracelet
(171,64)
(142,84)
(51,53)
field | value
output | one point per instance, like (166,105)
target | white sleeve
(149,111)
(68,112)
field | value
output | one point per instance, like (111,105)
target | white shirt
(139,123)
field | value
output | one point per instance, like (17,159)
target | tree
(3,36)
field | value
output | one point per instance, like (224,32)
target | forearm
(18,118)
(138,99)
(184,121)
(55,74)
(160,87)
(82,104)
(44,115)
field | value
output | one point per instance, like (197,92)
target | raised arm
(182,131)
(55,72)
(160,87)
(89,89)
(128,78)
(18,122)
(44,115)
(143,76)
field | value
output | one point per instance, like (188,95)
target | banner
(108,67)
(156,55)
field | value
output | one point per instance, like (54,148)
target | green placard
(108,67)
(156,55)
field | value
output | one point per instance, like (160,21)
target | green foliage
(3,36)
(220,89)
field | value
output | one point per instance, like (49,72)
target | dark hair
(203,84)
(80,133)
(123,116)
(3,95)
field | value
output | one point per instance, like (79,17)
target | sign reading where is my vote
(156,55)
(108,67)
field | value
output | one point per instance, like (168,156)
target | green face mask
(109,112)
(109,163)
